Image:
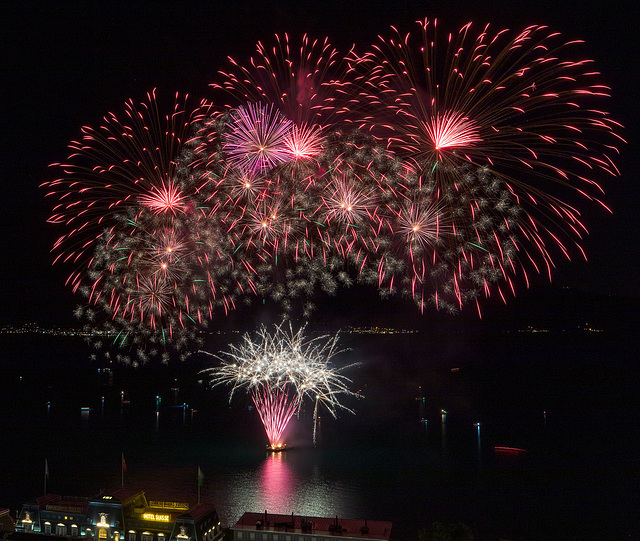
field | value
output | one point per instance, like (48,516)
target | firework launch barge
(277,448)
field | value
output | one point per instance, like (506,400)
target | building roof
(198,511)
(345,527)
(66,504)
(123,494)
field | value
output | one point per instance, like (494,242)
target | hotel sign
(156,517)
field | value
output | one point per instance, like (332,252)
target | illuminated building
(272,527)
(121,515)
(6,522)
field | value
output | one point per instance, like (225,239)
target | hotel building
(121,515)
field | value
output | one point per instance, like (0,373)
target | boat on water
(509,450)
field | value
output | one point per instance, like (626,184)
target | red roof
(344,527)
(199,510)
(123,494)
(55,502)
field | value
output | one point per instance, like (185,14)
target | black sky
(67,64)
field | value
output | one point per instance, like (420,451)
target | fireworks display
(446,169)
(280,370)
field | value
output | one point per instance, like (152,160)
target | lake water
(570,400)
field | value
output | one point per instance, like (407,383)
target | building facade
(274,527)
(6,522)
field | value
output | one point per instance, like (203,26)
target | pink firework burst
(520,103)
(304,143)
(451,130)
(167,199)
(348,201)
(257,138)
(519,107)
(421,224)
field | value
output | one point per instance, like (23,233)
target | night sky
(67,64)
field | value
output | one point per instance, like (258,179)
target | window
(61,529)
(74,530)
(239,536)
(102,533)
(146,536)
(132,535)
(47,528)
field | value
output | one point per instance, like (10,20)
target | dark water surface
(569,399)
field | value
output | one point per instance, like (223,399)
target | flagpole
(46,474)
(200,482)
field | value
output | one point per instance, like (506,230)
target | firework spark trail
(123,164)
(304,81)
(280,369)
(276,410)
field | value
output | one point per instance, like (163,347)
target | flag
(46,468)
(200,477)
(124,464)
